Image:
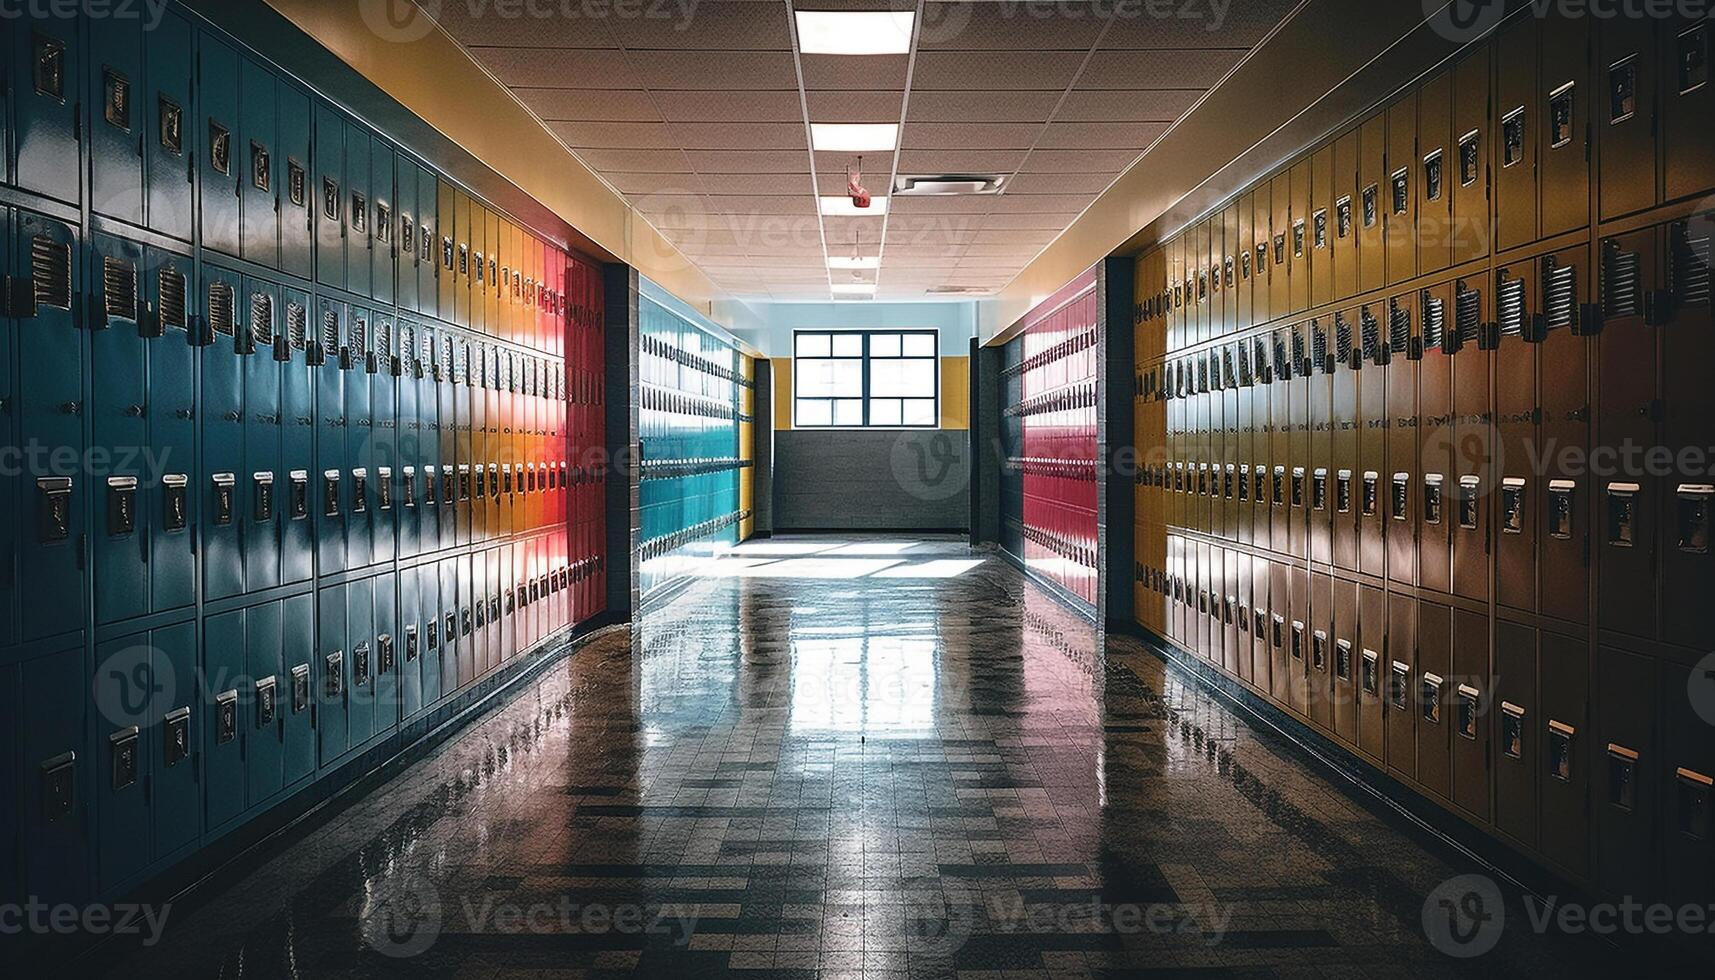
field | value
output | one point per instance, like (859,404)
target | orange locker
(1401,219)
(1434,195)
(1343,249)
(1471,237)
(1372,183)
(1625,116)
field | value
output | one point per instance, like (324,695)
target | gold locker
(1261,655)
(1343,219)
(1400,194)
(491,300)
(1298,642)
(446,258)
(1298,238)
(1279,245)
(1175,294)
(1470,184)
(1298,441)
(1562,103)
(1263,309)
(1197,267)
(1625,117)
(1515,158)
(1243,315)
(1312,487)
(1368,486)
(1321,230)
(461,262)
(1279,627)
(1435,173)
(1280,442)
(1371,220)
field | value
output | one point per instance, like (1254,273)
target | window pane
(812,345)
(815,377)
(814,411)
(848,411)
(920,411)
(919,345)
(884,411)
(904,377)
(848,345)
(884,345)
(847,378)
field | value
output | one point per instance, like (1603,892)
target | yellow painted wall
(782,393)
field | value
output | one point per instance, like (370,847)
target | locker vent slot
(1622,89)
(1690,267)
(384,340)
(119,287)
(1398,327)
(1467,313)
(297,326)
(1342,338)
(48,68)
(407,342)
(1298,349)
(359,336)
(219,148)
(172,125)
(330,331)
(1621,281)
(222,311)
(116,99)
(50,272)
(1319,344)
(1510,304)
(262,319)
(1434,321)
(172,287)
(1559,293)
(1371,335)
(1693,59)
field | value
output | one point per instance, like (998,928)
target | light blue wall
(956,322)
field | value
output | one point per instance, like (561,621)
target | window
(856,378)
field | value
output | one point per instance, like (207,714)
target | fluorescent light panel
(853,288)
(854,261)
(854,137)
(854,32)
(839,204)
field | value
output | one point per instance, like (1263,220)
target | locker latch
(1319,489)
(1470,158)
(223,489)
(1622,776)
(121,504)
(1694,499)
(1244,479)
(54,515)
(59,787)
(1279,494)
(1694,790)
(263,486)
(1512,505)
(1560,493)
(176,736)
(1560,737)
(1371,673)
(122,749)
(1432,498)
(298,495)
(1371,492)
(447,497)
(1470,488)
(334,677)
(300,687)
(384,653)
(451,629)
(1512,137)
(1401,498)
(1512,730)
(384,487)
(1470,709)
(360,665)
(1430,702)
(410,480)
(1622,514)
(1343,217)
(1622,89)
(1343,492)
(1319,650)
(330,493)
(1400,184)
(1298,486)
(226,716)
(467,621)
(410,643)
(1432,175)
(464,481)
(1279,623)
(359,488)
(48,67)
(1399,686)
(1343,659)
(432,634)
(265,701)
(1260,618)
(481,614)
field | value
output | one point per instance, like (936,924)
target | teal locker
(115,124)
(9,516)
(360,435)
(384,223)
(171,740)
(384,439)
(57,769)
(53,495)
(221,411)
(46,76)
(124,703)
(478,402)
(408,640)
(296,191)
(407,438)
(446,385)
(428,237)
(327,480)
(262,721)
(331,675)
(7,872)
(360,210)
(222,764)
(446,609)
(329,193)
(257,152)
(265,483)
(294,484)
(169,503)
(169,145)
(297,694)
(119,430)
(385,632)
(407,256)
(360,651)
(217,93)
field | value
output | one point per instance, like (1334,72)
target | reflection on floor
(865,758)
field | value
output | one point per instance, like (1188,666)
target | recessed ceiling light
(854,137)
(854,261)
(854,32)
(853,288)
(839,204)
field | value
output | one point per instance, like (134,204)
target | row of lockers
(1494,152)
(168,740)
(1539,437)
(1595,760)
(1049,417)
(190,136)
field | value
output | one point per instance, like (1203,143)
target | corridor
(851,758)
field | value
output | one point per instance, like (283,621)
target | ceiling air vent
(950,290)
(946,185)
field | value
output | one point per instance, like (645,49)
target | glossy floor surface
(869,758)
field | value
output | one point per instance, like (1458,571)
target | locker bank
(904,488)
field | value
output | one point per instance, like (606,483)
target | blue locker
(220,160)
(296,192)
(115,122)
(223,673)
(384,438)
(297,687)
(329,193)
(453,674)
(124,704)
(52,489)
(257,148)
(385,632)
(8,480)
(359,444)
(169,502)
(407,254)
(408,644)
(332,675)
(263,720)
(360,209)
(169,145)
(7,881)
(447,400)
(56,768)
(326,356)
(360,658)
(171,740)
(428,242)
(46,73)
(384,223)
(119,431)
(221,412)
(407,443)
(295,489)
(265,481)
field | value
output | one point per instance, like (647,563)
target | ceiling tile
(614,135)
(633,185)
(677,24)
(1042,203)
(1057,222)
(636,161)
(715,70)
(738,135)
(747,161)
(963,71)
(589,105)
(1239,25)
(970,136)
(1160,69)
(692,105)
(1065,24)
(755,183)
(1101,135)
(1051,161)
(959,161)
(847,107)
(1059,183)
(547,67)
(848,74)
(474,24)
(1121,105)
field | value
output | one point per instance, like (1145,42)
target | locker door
(388,653)
(1687,502)
(1243,277)
(1371,481)
(296,693)
(332,675)
(1228,254)
(329,479)
(170,138)
(479,452)
(221,410)
(171,739)
(1687,151)
(297,192)
(1299,623)
(384,235)
(1435,160)
(1280,445)
(408,643)
(263,698)
(1244,446)
(1262,221)
(265,483)
(466,623)
(115,125)
(1398,680)
(257,147)
(330,197)
(220,160)
(1197,285)
(1343,468)
(406,252)
(123,846)
(1435,418)
(1298,441)
(434,201)
(462,429)
(1400,221)
(1563,99)
(50,394)
(58,773)
(1404,350)
(1565,755)
(1514,498)
(1343,218)
(1321,228)
(1370,217)
(1343,666)
(222,763)
(483,654)
(428,445)
(1471,480)
(1515,709)
(170,502)
(1627,757)
(1516,156)
(1685,776)
(1565,492)
(119,429)
(461,274)
(1625,117)
(479,256)
(408,442)
(429,629)
(384,438)
(295,483)
(360,209)
(1471,156)
(491,297)
(1322,695)
(1281,676)
(449,441)
(1432,697)
(1465,713)
(360,449)
(47,63)
(1280,294)
(1626,416)
(360,658)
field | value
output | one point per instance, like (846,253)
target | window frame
(866,361)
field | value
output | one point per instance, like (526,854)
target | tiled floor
(876,759)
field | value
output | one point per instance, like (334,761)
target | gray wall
(910,480)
